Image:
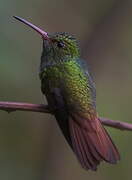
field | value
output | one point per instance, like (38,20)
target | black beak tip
(16,17)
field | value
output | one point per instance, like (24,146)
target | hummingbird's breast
(71,79)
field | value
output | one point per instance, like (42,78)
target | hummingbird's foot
(48,108)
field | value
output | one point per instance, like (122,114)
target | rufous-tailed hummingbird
(71,96)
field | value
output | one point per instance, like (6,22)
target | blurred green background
(31,145)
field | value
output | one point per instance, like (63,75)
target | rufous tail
(92,144)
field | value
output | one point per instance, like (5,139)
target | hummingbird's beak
(41,32)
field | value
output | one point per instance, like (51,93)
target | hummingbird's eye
(60,44)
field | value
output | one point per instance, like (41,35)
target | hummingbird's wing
(57,104)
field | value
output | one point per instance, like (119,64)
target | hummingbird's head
(61,46)
(56,47)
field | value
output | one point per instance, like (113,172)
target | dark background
(31,145)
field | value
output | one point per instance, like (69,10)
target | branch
(116,124)
(14,106)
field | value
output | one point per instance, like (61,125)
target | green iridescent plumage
(74,82)
(71,96)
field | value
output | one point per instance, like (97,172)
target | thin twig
(14,106)
(116,124)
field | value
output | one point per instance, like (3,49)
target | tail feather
(91,147)
(89,156)
(113,152)
(80,148)
(77,147)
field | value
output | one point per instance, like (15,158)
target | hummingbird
(71,96)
